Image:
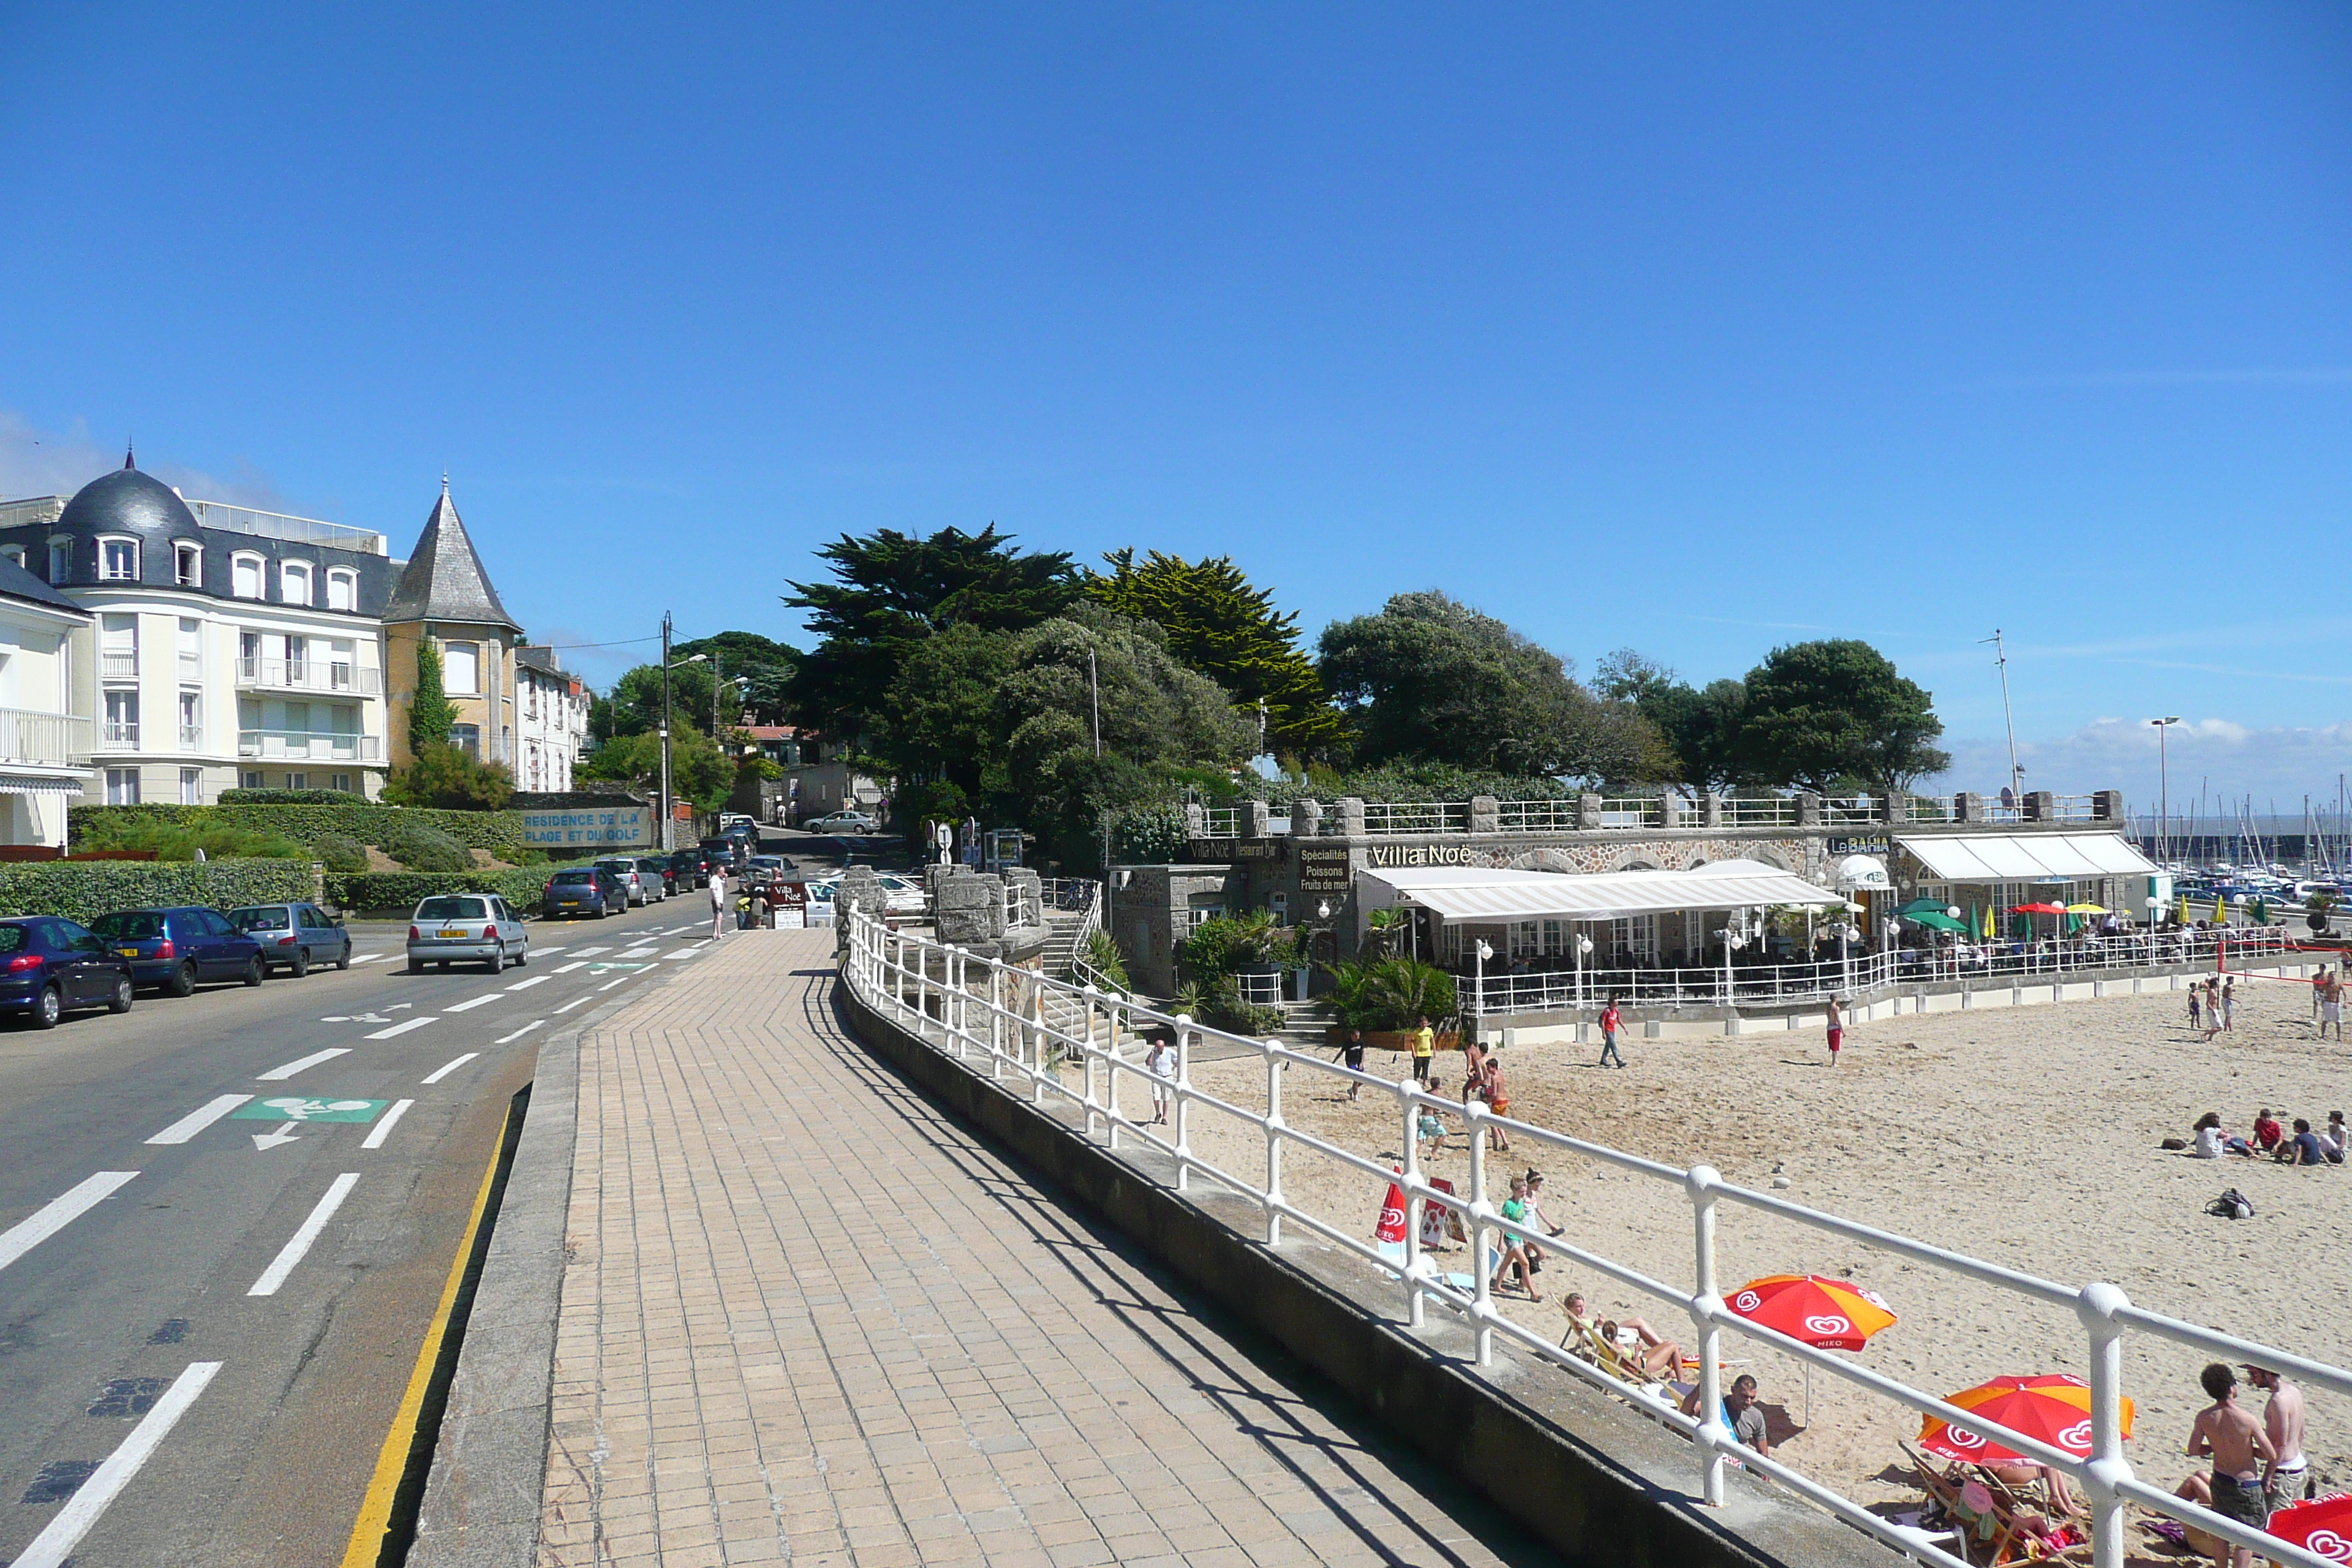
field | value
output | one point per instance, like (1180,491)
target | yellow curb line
(391,1464)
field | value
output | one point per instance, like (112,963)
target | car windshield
(617,867)
(575,877)
(129,925)
(12,939)
(277,918)
(451,909)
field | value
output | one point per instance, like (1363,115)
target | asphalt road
(112,1307)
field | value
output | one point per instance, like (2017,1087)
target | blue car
(50,966)
(176,948)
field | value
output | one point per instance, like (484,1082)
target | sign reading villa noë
(613,826)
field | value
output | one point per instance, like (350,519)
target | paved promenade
(807,1319)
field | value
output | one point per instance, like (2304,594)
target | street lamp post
(2163,786)
(669,813)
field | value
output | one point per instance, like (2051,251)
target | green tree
(1429,678)
(452,779)
(760,669)
(1700,727)
(1835,715)
(634,706)
(1229,631)
(938,721)
(891,591)
(699,770)
(430,712)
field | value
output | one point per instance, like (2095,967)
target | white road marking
(518,1034)
(703,943)
(645,952)
(685,953)
(402,1028)
(545,952)
(445,1068)
(622,980)
(527,984)
(50,1547)
(568,968)
(59,1213)
(591,952)
(383,1130)
(279,1075)
(368,957)
(302,1240)
(285,1134)
(195,1121)
(470,1002)
(568,1006)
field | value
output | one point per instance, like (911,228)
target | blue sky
(1695,330)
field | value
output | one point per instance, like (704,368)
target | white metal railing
(1535,816)
(32,509)
(121,731)
(1631,811)
(308,745)
(1000,1020)
(1417,816)
(308,675)
(2075,808)
(1929,808)
(118,666)
(58,739)
(278,525)
(1759,811)
(1221,822)
(192,737)
(1859,810)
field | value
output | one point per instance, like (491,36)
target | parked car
(735,821)
(691,869)
(584,891)
(457,927)
(295,936)
(761,870)
(50,966)
(727,852)
(623,869)
(660,874)
(905,894)
(176,948)
(843,822)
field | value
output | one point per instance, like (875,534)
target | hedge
(85,890)
(399,891)
(498,832)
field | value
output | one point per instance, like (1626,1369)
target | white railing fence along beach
(1011,1023)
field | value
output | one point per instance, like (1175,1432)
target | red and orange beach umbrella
(1829,1314)
(2055,1409)
(2321,1527)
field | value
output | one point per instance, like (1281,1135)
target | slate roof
(16,583)
(445,580)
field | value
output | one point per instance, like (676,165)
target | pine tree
(430,713)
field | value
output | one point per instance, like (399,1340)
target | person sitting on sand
(2305,1147)
(2020,1475)
(2267,1131)
(2332,1141)
(2212,1143)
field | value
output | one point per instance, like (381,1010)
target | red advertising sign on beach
(1391,1224)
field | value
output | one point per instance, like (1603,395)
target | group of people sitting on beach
(2302,1146)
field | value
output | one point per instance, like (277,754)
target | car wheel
(255,971)
(442,964)
(602,911)
(345,962)
(184,980)
(49,1007)
(301,966)
(120,1001)
(524,956)
(498,960)
(415,966)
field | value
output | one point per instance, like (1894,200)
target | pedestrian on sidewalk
(718,902)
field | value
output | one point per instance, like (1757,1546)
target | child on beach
(2196,1006)
(1837,1029)
(1430,1130)
(2230,1003)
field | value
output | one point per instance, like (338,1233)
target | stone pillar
(1256,819)
(1710,810)
(969,908)
(1670,809)
(1024,881)
(1306,818)
(1196,821)
(1809,809)
(2107,805)
(1486,814)
(1588,812)
(1351,815)
(1898,807)
(2040,805)
(1968,806)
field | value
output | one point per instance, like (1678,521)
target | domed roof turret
(127,501)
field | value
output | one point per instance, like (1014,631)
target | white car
(625,871)
(843,822)
(905,895)
(466,927)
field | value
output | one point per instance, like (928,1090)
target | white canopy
(1862,871)
(1470,894)
(2026,856)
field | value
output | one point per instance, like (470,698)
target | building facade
(445,598)
(45,746)
(552,719)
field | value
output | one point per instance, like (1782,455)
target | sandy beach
(2026,1137)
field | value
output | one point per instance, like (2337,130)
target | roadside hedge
(498,832)
(398,891)
(85,890)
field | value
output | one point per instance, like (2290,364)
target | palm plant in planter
(1385,994)
(1221,950)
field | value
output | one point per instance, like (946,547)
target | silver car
(465,928)
(626,869)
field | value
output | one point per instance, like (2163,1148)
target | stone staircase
(1062,928)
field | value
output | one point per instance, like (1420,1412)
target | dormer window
(188,565)
(244,576)
(294,582)
(15,554)
(342,590)
(60,559)
(117,560)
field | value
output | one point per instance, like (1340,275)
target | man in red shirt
(1609,1024)
(2267,1131)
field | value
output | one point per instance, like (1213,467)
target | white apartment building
(551,712)
(44,746)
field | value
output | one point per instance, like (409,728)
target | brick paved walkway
(807,1318)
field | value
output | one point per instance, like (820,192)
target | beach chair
(1997,1534)
(1584,1340)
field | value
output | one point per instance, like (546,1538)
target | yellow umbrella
(1991,930)
(2220,910)
(2180,915)
(2086,908)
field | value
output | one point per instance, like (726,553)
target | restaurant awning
(1469,895)
(2025,857)
(32,784)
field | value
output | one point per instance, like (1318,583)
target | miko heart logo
(2076,1438)
(1747,1301)
(1961,1437)
(1828,1323)
(1392,1215)
(1875,1299)
(2328,1544)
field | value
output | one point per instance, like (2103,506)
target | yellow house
(445,594)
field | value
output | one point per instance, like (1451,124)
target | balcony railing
(306,675)
(192,737)
(118,666)
(309,746)
(59,739)
(119,733)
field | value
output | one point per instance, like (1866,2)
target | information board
(589,828)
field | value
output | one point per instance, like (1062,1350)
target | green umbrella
(1937,920)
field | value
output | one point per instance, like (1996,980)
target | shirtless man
(2283,1424)
(2245,1462)
(2331,1004)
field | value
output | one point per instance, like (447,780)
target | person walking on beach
(2245,1461)
(2230,1003)
(1837,1029)
(718,902)
(1490,1089)
(2331,1004)
(1351,1056)
(1425,1049)
(2283,1424)
(1161,1063)
(2196,1004)
(2318,984)
(1610,1022)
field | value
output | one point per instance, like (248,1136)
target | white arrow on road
(285,1134)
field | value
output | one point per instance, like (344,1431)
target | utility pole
(2016,774)
(2164,783)
(669,817)
(1094,700)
